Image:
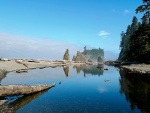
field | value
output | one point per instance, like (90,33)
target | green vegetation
(66,55)
(94,53)
(135,42)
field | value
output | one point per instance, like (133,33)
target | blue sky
(75,23)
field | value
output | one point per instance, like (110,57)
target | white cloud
(103,33)
(24,47)
(126,12)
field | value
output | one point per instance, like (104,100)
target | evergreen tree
(125,39)
(134,25)
(145,8)
(140,45)
(135,42)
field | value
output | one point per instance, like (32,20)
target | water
(81,90)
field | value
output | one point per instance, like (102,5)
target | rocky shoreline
(132,67)
(27,64)
(137,68)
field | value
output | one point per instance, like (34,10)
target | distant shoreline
(27,64)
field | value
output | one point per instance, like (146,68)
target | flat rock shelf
(7,90)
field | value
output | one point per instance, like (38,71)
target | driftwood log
(8,90)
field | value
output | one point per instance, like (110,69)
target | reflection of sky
(76,93)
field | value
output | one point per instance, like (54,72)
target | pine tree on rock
(66,55)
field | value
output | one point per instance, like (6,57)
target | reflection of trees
(66,70)
(93,70)
(136,88)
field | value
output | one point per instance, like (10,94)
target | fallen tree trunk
(9,90)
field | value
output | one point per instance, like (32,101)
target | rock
(3,101)
(74,57)
(4,59)
(8,90)
(33,60)
(96,55)
(100,59)
(22,71)
(113,63)
(66,55)
(79,57)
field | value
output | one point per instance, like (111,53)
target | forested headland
(135,41)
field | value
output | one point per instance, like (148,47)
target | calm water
(82,90)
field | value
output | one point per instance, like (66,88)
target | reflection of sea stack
(66,70)
(78,68)
(93,70)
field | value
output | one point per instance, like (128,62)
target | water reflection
(78,68)
(66,70)
(136,88)
(22,101)
(12,107)
(82,94)
(93,70)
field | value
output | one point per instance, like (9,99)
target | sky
(44,29)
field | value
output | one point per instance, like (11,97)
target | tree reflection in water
(136,88)
(87,69)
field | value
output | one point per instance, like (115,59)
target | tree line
(135,41)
